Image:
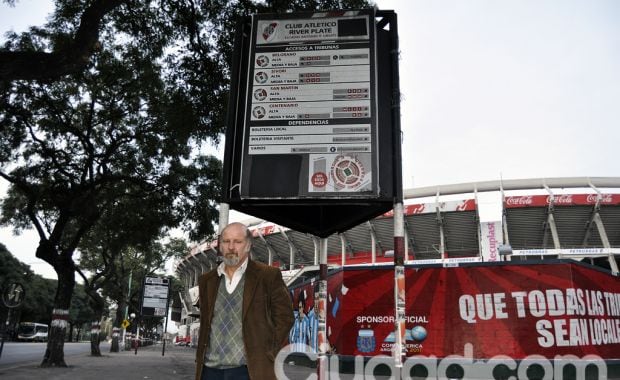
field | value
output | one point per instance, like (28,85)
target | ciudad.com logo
(431,367)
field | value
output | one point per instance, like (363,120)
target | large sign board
(310,104)
(555,308)
(313,120)
(155,297)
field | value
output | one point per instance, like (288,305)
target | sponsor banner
(309,314)
(514,310)
(425,208)
(586,252)
(561,200)
(447,262)
(491,238)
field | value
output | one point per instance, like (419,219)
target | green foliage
(38,303)
(107,113)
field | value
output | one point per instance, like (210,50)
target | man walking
(245,313)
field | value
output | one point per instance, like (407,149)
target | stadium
(511,267)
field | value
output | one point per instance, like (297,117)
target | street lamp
(134,329)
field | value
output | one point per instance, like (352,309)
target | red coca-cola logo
(464,206)
(417,209)
(605,198)
(565,199)
(519,201)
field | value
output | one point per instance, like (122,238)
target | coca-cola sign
(521,201)
(605,198)
(560,200)
(564,199)
(416,209)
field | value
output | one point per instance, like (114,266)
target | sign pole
(12,296)
(323,343)
(224,213)
(137,336)
(6,327)
(126,310)
(399,284)
(163,349)
(400,349)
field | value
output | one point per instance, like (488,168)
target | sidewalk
(177,363)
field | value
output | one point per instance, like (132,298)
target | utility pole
(126,308)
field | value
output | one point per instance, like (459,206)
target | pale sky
(490,88)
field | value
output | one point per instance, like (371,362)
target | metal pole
(163,349)
(137,336)
(127,308)
(322,333)
(224,211)
(399,284)
(6,327)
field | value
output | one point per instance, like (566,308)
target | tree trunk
(54,354)
(96,302)
(115,347)
(116,334)
(95,338)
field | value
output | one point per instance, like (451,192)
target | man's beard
(231,260)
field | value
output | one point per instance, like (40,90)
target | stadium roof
(585,223)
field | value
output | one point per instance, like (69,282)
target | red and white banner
(491,238)
(425,208)
(561,200)
(515,310)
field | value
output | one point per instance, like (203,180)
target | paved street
(177,363)
(18,352)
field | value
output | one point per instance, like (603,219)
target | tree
(102,259)
(85,144)
(121,248)
(122,121)
(69,57)
(38,303)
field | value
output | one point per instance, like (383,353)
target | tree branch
(16,65)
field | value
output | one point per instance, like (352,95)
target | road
(23,352)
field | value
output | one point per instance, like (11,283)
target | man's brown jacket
(266,319)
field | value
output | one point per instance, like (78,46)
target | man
(313,322)
(300,333)
(245,313)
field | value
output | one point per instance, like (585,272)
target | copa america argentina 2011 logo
(366,340)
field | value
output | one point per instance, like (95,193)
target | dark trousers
(237,373)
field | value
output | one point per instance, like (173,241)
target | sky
(490,89)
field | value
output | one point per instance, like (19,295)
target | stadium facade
(569,226)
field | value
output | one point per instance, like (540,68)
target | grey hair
(248,235)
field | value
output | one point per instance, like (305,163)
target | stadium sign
(155,296)
(547,309)
(311,130)
(561,200)
(586,252)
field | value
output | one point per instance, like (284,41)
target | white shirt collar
(239,272)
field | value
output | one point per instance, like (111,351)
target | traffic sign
(125,324)
(13,295)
